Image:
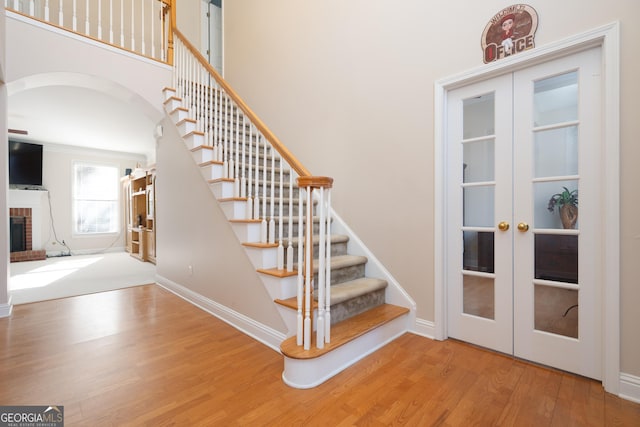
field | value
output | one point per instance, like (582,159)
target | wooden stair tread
(277,273)
(292,303)
(345,331)
(232,199)
(260,245)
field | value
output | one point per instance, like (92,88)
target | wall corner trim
(629,387)
(6,308)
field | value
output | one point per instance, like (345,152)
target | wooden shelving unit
(139,213)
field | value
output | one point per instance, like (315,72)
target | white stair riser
(235,209)
(247,231)
(313,372)
(185,127)
(222,189)
(168,93)
(193,140)
(280,288)
(263,258)
(202,155)
(178,115)
(212,171)
(172,103)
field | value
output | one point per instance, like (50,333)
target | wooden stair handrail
(266,132)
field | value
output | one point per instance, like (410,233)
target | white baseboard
(6,309)
(266,335)
(426,328)
(629,387)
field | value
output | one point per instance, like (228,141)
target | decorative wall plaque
(510,31)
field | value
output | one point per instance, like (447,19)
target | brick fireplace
(21,235)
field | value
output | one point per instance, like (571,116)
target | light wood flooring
(142,356)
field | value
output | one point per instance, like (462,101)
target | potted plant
(567,202)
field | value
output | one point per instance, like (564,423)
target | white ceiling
(80,116)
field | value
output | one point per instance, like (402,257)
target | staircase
(257,191)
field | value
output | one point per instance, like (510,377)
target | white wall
(57,176)
(349,88)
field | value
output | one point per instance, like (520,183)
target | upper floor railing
(139,26)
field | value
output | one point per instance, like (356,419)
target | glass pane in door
(556,310)
(555,99)
(478,116)
(478,157)
(478,296)
(478,206)
(556,152)
(549,199)
(556,257)
(478,251)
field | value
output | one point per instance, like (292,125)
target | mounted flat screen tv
(25,165)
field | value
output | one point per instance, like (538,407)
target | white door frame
(608,39)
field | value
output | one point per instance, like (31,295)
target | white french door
(524,273)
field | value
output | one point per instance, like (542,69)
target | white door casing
(606,37)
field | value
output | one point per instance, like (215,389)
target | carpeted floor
(76,275)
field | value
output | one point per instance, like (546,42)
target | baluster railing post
(272,220)
(111,22)
(74,19)
(280,254)
(249,211)
(300,283)
(290,225)
(133,20)
(143,41)
(243,178)
(100,19)
(321,272)
(327,317)
(46,10)
(263,224)
(87,26)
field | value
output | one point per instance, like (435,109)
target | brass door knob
(503,226)
(523,226)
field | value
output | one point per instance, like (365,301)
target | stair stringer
(394,293)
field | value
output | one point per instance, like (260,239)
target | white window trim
(118,227)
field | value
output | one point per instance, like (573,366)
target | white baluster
(225,139)
(308,273)
(60,14)
(100,19)
(32,8)
(256,186)
(75,16)
(46,10)
(236,164)
(300,284)
(327,316)
(280,254)
(249,213)
(263,225)
(111,22)
(321,276)
(144,46)
(290,227)
(272,220)
(133,38)
(153,28)
(243,178)
(87,27)
(122,24)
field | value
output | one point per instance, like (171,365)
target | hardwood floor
(142,356)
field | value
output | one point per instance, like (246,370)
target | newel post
(320,185)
